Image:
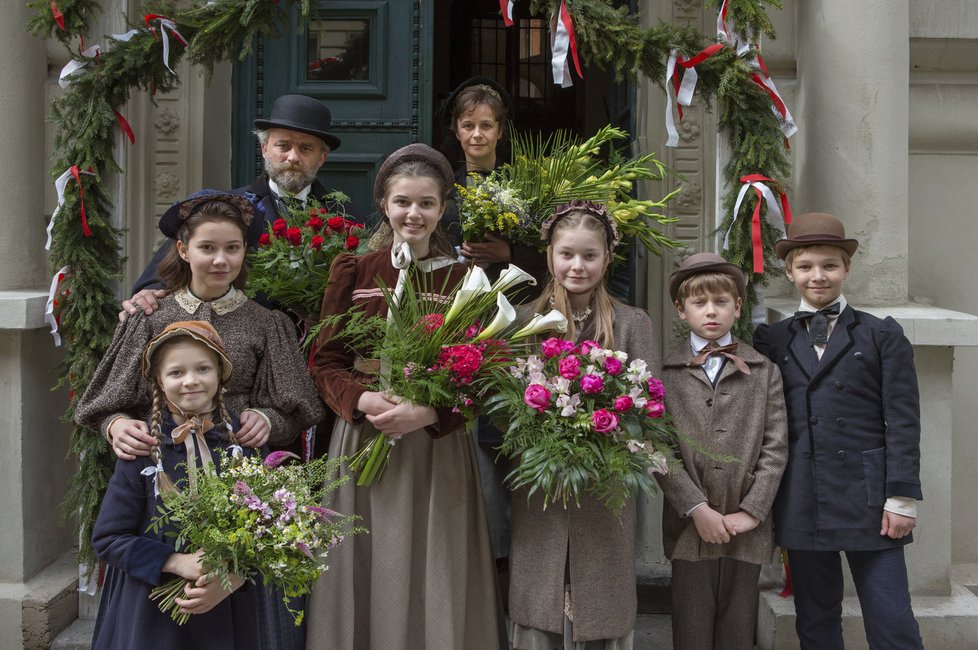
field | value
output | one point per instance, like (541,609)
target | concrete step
(77,636)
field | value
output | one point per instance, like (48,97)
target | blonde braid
(222,409)
(163,481)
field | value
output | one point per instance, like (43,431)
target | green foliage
(78,14)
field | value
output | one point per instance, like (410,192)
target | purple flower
(537,396)
(612,366)
(551,347)
(241,489)
(655,409)
(587,345)
(604,421)
(624,403)
(570,367)
(657,391)
(304,548)
(323,514)
(591,384)
(276,458)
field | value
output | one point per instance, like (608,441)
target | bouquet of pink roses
(581,420)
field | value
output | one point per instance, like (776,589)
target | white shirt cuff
(690,511)
(905,506)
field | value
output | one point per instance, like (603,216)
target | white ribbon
(127,36)
(772,207)
(787,122)
(686,88)
(49,307)
(155,473)
(59,186)
(75,65)
(560,45)
(732,36)
(88,578)
(673,140)
(165,24)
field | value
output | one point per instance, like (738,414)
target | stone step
(77,636)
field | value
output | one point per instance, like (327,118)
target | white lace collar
(223,305)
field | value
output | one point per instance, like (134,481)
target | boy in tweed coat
(727,397)
(853,477)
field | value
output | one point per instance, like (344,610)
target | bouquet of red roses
(582,418)
(292,262)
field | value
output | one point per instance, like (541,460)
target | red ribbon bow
(755,228)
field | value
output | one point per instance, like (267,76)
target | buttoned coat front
(742,417)
(854,431)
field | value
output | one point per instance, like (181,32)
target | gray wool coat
(595,546)
(742,416)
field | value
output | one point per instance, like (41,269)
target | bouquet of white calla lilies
(552,321)
(505,315)
(474,285)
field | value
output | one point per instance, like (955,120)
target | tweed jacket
(353,283)
(743,416)
(854,431)
(596,547)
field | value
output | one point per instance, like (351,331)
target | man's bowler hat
(303,114)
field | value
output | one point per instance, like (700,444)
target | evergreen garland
(86,126)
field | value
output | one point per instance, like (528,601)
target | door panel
(363,58)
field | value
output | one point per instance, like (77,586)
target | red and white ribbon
(166,24)
(506,9)
(59,185)
(49,316)
(732,37)
(685,95)
(673,139)
(75,65)
(564,42)
(125,126)
(763,78)
(757,181)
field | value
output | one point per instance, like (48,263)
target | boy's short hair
(707,282)
(789,257)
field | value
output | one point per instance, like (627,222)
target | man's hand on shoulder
(147,300)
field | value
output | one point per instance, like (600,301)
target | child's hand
(374,403)
(130,438)
(403,418)
(740,522)
(205,594)
(709,525)
(254,429)
(185,565)
(492,250)
(896,526)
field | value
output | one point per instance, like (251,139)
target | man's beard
(291,178)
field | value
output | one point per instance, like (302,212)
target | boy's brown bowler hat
(815,229)
(706,263)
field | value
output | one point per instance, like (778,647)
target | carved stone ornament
(167,121)
(166,185)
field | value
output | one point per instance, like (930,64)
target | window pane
(338,50)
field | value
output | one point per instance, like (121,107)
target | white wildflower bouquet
(256,518)
(486,206)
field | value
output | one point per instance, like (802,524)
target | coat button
(709,401)
(784,359)
(839,385)
(813,420)
(858,355)
(842,455)
(840,422)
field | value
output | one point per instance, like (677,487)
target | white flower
(598,355)
(536,378)
(637,399)
(568,404)
(638,372)
(553,320)
(534,364)
(519,370)
(660,464)
(561,385)
(512,276)
(621,356)
(474,284)
(505,315)
(634,446)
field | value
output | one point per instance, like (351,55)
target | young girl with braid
(187,368)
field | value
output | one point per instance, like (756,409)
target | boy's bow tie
(818,329)
(727,351)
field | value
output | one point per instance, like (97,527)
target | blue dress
(127,618)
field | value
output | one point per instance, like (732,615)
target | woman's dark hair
(174,271)
(467,100)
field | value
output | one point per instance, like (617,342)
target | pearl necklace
(577,315)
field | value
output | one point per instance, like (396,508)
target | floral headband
(596,210)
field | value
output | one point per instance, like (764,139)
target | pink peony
(570,367)
(657,392)
(587,345)
(655,409)
(537,396)
(624,403)
(604,421)
(552,347)
(612,366)
(591,384)
(473,330)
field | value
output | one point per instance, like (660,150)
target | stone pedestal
(946,610)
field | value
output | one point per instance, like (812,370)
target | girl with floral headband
(270,393)
(187,367)
(572,569)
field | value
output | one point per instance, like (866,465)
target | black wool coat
(854,431)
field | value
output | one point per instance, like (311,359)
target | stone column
(853,101)
(36,575)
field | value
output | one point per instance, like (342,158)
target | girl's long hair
(164,482)
(555,296)
(174,271)
(440,244)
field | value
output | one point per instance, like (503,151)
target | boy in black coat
(852,481)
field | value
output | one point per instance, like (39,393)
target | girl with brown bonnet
(572,569)
(270,393)
(423,577)
(186,367)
